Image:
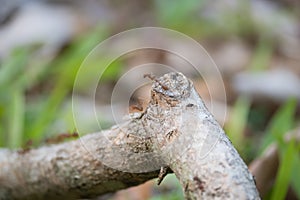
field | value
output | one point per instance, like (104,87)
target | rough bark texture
(175,131)
(65,171)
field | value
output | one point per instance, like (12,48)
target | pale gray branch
(176,131)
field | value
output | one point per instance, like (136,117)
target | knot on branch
(172,85)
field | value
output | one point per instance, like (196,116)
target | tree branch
(176,131)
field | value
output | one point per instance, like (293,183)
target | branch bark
(175,132)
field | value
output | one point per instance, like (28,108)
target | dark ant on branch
(26,148)
(61,137)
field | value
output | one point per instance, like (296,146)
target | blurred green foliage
(262,55)
(237,123)
(65,70)
(188,17)
(175,193)
(29,117)
(12,98)
(282,122)
(288,154)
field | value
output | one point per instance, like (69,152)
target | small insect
(153,78)
(199,183)
(61,137)
(190,105)
(26,148)
(169,135)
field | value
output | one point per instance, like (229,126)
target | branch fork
(174,133)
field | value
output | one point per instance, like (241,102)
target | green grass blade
(238,121)
(13,67)
(262,55)
(67,67)
(285,171)
(296,176)
(281,123)
(16,118)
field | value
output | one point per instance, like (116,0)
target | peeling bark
(175,132)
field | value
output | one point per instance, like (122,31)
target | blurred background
(255,44)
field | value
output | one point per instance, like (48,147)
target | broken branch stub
(192,143)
